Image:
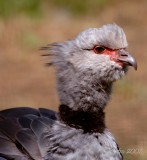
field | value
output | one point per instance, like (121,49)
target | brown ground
(25,81)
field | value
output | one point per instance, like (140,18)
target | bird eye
(99,49)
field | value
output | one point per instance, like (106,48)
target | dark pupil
(99,49)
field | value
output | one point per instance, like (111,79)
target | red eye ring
(99,49)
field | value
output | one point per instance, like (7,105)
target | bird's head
(104,52)
(99,51)
(97,56)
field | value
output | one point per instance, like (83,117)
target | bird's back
(20,129)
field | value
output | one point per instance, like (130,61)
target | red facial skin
(113,53)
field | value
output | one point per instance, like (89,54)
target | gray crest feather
(110,35)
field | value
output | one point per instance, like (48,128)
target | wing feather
(23,133)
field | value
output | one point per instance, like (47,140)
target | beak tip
(134,63)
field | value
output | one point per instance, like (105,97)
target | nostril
(124,55)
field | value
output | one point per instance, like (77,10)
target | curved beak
(126,58)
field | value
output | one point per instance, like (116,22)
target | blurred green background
(27,25)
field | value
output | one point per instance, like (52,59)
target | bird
(86,68)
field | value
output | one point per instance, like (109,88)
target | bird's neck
(88,121)
(83,107)
(84,94)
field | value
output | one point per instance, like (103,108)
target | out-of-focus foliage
(13,7)
(10,8)
(79,7)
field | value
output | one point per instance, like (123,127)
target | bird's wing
(22,132)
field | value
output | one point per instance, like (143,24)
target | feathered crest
(53,50)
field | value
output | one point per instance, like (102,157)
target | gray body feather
(84,84)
